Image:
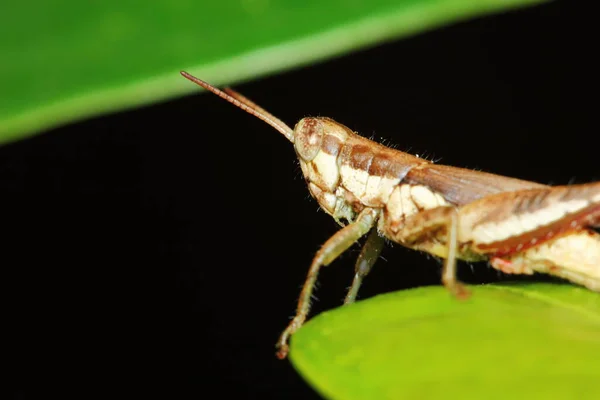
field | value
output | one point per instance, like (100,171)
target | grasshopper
(519,227)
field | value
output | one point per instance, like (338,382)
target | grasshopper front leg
(336,245)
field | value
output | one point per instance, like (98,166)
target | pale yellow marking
(576,255)
(394,205)
(483,234)
(378,190)
(354,180)
(518,224)
(327,200)
(387,186)
(528,224)
(401,202)
(372,190)
(425,198)
(406,202)
(328,172)
(440,199)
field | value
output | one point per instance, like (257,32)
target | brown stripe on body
(390,163)
(516,244)
(361,156)
(529,201)
(459,186)
(332,145)
(378,160)
(353,161)
(370,171)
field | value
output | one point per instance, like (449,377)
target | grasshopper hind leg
(574,257)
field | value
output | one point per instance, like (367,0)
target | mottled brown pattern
(522,203)
(583,191)
(380,165)
(532,201)
(344,156)
(539,199)
(310,123)
(354,202)
(361,157)
(401,165)
(502,205)
(377,160)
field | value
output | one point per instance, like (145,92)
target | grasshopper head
(308,138)
(317,142)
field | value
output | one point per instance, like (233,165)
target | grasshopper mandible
(520,227)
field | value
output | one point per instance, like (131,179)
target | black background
(161,250)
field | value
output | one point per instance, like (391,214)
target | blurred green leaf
(64,60)
(524,341)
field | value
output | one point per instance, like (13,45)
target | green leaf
(64,60)
(506,341)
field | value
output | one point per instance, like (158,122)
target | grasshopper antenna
(245,104)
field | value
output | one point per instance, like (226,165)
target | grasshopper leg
(333,247)
(419,231)
(368,256)
(449,271)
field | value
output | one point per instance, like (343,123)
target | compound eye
(308,136)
